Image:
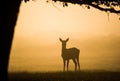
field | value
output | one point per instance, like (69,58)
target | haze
(36,45)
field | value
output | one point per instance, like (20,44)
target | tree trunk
(8,17)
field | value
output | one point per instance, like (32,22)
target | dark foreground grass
(65,76)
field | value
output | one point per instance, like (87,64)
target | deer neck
(63,49)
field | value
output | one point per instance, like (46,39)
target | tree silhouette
(112,6)
(8,17)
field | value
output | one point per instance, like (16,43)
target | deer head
(63,42)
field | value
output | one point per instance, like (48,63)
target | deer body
(71,53)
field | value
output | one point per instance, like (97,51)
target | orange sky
(40,25)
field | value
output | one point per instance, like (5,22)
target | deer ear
(67,39)
(60,39)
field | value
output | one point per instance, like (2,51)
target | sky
(36,45)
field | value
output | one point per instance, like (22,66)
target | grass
(65,76)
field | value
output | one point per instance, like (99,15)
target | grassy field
(65,76)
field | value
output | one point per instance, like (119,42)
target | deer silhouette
(71,53)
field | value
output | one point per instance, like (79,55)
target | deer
(69,54)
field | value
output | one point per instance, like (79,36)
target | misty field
(65,76)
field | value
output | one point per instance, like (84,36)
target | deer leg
(67,64)
(75,64)
(78,64)
(64,65)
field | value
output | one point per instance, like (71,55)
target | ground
(65,76)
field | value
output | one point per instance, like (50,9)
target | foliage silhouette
(112,6)
(103,5)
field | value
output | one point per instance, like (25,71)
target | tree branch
(95,4)
(111,10)
(108,5)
